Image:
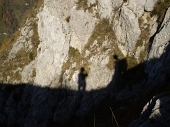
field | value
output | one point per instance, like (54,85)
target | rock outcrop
(127,29)
(53,48)
(80,58)
(160,49)
(155,112)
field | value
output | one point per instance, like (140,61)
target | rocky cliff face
(84,52)
(79,34)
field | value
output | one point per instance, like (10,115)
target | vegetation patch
(24,56)
(101,31)
(160,9)
(74,56)
(143,39)
(13,14)
(34,73)
(2,38)
(82,4)
(144,36)
(114,52)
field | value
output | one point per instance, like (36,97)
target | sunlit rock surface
(82,61)
(155,112)
(53,48)
(160,49)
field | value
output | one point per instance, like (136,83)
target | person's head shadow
(82,80)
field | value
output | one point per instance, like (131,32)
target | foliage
(102,30)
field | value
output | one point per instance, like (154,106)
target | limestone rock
(28,73)
(137,6)
(98,71)
(54,45)
(127,28)
(149,5)
(159,48)
(24,40)
(62,7)
(155,113)
(106,7)
(91,2)
(82,25)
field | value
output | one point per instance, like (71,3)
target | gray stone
(159,48)
(137,6)
(54,45)
(106,7)
(155,113)
(82,25)
(149,5)
(127,28)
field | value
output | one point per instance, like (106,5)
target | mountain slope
(76,63)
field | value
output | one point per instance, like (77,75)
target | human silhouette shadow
(82,80)
(120,71)
(33,106)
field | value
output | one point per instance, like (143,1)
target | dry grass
(74,56)
(82,4)
(160,9)
(24,56)
(101,31)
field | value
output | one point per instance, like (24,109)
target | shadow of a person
(120,71)
(82,80)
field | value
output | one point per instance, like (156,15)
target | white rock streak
(53,49)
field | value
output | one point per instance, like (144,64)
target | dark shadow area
(142,86)
(155,117)
(120,70)
(25,105)
(82,80)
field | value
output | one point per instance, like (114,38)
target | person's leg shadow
(82,80)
